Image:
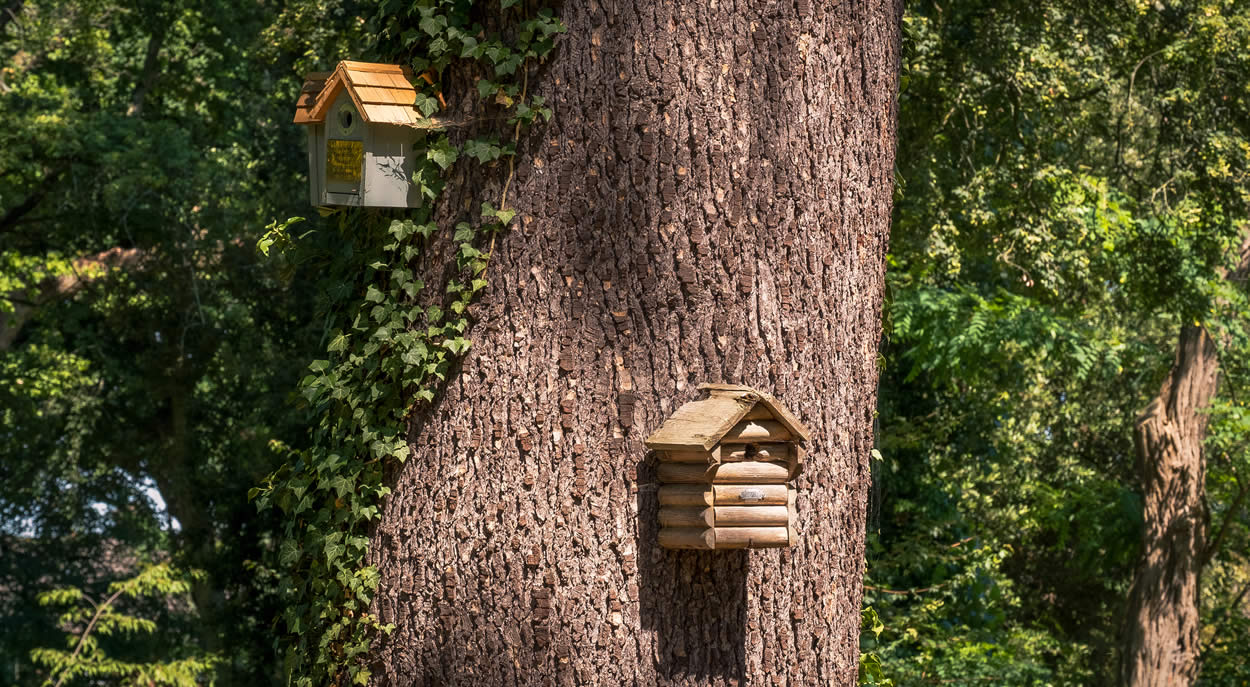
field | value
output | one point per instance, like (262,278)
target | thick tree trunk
(711,203)
(1160,645)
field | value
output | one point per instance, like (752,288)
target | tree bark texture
(710,203)
(1160,645)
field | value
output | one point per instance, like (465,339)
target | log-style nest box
(725,466)
(362,134)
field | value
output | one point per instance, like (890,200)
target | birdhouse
(726,463)
(363,131)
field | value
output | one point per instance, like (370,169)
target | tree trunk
(1160,645)
(1159,641)
(711,203)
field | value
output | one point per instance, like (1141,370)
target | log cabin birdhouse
(726,463)
(363,130)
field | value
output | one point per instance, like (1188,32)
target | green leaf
(442,153)
(288,553)
(433,24)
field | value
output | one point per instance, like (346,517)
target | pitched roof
(313,85)
(698,425)
(383,93)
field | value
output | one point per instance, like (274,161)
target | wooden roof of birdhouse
(699,425)
(382,93)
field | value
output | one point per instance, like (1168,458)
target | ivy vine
(387,354)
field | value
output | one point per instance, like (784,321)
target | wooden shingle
(382,93)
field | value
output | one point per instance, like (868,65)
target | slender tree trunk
(711,203)
(1159,642)
(1160,646)
(151,68)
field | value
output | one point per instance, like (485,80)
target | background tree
(1073,193)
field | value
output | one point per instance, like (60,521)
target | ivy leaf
(484,150)
(442,152)
(505,216)
(333,549)
(288,553)
(426,104)
(338,345)
(433,24)
(373,295)
(485,88)
(505,4)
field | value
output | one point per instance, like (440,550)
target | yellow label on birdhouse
(343,160)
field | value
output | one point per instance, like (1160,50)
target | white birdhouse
(363,133)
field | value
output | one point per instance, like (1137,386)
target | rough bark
(1159,645)
(711,203)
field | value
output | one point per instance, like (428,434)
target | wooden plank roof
(382,93)
(314,83)
(699,425)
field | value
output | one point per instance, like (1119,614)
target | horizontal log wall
(687,537)
(678,516)
(757,494)
(753,537)
(748,472)
(771,452)
(756,430)
(749,516)
(703,457)
(686,495)
(752,472)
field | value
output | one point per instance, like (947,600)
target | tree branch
(150,73)
(17,212)
(82,639)
(1242,492)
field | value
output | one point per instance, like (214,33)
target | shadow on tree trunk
(694,602)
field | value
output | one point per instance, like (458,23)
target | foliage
(1072,188)
(146,355)
(392,346)
(871,672)
(86,621)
